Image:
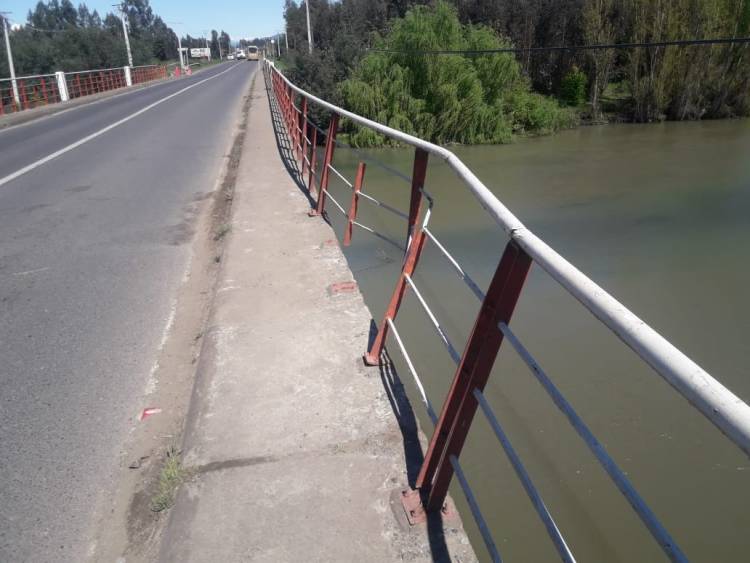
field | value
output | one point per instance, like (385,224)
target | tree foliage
(658,83)
(451,98)
(59,36)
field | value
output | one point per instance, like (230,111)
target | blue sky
(239,18)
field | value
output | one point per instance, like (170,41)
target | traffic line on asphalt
(52,156)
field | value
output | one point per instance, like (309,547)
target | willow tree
(449,97)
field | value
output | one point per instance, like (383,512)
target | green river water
(659,215)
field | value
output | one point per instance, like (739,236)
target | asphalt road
(93,245)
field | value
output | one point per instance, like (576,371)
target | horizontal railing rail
(313,149)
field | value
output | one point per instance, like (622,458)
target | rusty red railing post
(327,160)
(44,92)
(288,108)
(413,251)
(472,373)
(292,120)
(24,97)
(358,179)
(303,135)
(313,155)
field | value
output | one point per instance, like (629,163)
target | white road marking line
(29,272)
(52,156)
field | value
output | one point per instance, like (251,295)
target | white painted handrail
(717,403)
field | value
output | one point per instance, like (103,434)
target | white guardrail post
(128,76)
(62,86)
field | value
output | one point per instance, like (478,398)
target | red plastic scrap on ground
(342,287)
(148,412)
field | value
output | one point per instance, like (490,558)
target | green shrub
(573,87)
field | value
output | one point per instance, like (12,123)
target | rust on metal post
(327,160)
(418,175)
(472,373)
(358,179)
(303,144)
(289,110)
(313,155)
(413,251)
(24,98)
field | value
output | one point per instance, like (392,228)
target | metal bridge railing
(33,91)
(492,325)
(28,92)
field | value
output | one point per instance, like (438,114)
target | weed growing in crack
(172,474)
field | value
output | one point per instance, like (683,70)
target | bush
(573,87)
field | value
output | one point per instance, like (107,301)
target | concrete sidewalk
(296,451)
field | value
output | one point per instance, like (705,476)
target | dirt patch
(127,527)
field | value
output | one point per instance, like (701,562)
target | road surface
(93,245)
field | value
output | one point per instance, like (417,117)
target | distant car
(230,57)
(241,55)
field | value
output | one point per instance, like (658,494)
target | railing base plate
(411,501)
(371,361)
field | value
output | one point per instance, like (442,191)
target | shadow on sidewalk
(413,453)
(285,148)
(395,392)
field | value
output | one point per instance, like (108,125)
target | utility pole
(221,56)
(309,29)
(179,49)
(286,39)
(278,44)
(179,43)
(123,17)
(16,97)
(205,38)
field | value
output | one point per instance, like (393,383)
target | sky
(239,18)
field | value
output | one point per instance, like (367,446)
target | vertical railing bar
(359,178)
(328,159)
(435,323)
(474,370)
(416,241)
(313,161)
(659,533)
(549,522)
(475,510)
(463,482)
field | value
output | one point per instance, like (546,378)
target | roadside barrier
(33,91)
(148,73)
(492,325)
(45,89)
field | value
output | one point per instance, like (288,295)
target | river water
(659,215)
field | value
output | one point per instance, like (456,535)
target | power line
(598,47)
